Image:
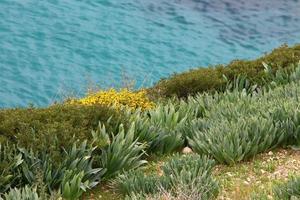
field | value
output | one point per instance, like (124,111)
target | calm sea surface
(53,48)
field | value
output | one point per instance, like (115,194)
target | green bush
(72,185)
(20,167)
(230,142)
(118,151)
(50,129)
(167,123)
(78,159)
(10,161)
(161,128)
(237,125)
(212,78)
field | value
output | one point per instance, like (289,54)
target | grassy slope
(239,181)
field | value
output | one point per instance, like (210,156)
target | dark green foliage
(118,151)
(10,161)
(161,128)
(73,175)
(211,79)
(78,159)
(289,190)
(167,123)
(50,129)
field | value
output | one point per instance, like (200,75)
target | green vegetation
(212,78)
(64,151)
(122,152)
(191,173)
(25,193)
(51,129)
(288,190)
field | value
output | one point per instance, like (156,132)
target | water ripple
(53,48)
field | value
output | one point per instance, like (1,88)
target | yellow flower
(119,99)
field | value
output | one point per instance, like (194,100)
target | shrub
(239,125)
(166,122)
(182,192)
(212,78)
(118,151)
(78,159)
(161,128)
(72,185)
(39,170)
(120,98)
(50,129)
(230,142)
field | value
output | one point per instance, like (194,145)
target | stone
(187,150)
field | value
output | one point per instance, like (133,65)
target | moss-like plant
(56,127)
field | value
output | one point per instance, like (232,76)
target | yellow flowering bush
(120,98)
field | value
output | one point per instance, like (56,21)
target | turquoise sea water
(50,48)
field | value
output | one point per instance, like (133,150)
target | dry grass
(258,175)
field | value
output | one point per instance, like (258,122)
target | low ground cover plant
(193,172)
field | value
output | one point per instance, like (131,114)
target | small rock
(229,174)
(270,153)
(187,150)
(246,183)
